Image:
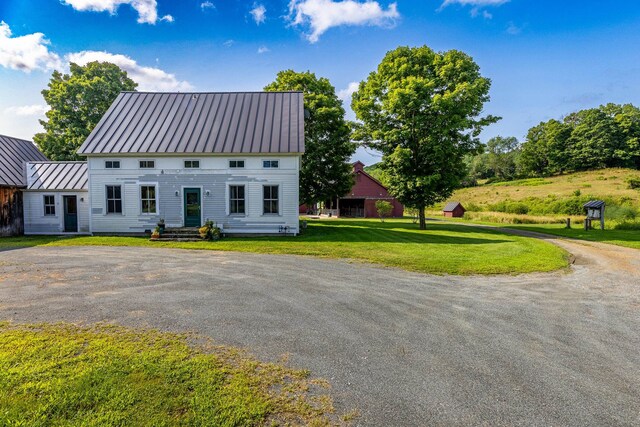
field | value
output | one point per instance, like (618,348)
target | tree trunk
(423,222)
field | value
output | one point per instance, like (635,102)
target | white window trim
(244,164)
(184,165)
(106,199)
(270,160)
(147,160)
(227,198)
(113,160)
(55,206)
(279,200)
(157,198)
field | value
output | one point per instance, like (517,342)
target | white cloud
(207,5)
(321,15)
(148,78)
(147,9)
(229,43)
(513,29)
(27,110)
(345,94)
(259,13)
(263,49)
(26,53)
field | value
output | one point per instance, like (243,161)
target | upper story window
(147,164)
(271,164)
(112,164)
(192,164)
(236,163)
(49,205)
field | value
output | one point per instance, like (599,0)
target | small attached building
(454,210)
(14,154)
(56,199)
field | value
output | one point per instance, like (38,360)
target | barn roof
(200,123)
(594,204)
(14,153)
(449,207)
(57,176)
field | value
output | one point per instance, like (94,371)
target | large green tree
(421,109)
(325,172)
(77,102)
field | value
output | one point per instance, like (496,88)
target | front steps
(183,234)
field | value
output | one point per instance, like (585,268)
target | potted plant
(160,227)
(156,234)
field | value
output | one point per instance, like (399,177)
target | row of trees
(607,136)
(420,108)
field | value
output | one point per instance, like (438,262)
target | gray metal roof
(200,123)
(14,153)
(57,176)
(594,204)
(451,206)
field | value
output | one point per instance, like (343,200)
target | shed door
(70,214)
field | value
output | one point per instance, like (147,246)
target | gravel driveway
(405,349)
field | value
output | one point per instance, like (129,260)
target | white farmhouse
(232,158)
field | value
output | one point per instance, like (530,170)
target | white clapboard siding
(36,222)
(212,178)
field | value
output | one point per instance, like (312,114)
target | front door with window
(70,214)
(192,207)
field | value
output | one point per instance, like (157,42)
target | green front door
(192,207)
(70,214)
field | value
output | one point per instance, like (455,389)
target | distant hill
(559,195)
(375,171)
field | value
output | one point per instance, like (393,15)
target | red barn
(360,202)
(454,210)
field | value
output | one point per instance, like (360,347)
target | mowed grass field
(64,375)
(441,249)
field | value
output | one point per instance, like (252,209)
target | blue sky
(545,58)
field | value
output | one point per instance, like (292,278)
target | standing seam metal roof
(211,122)
(14,153)
(57,176)
(451,206)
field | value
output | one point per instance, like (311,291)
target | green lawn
(63,375)
(441,249)
(628,238)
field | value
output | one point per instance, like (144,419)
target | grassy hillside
(602,184)
(539,200)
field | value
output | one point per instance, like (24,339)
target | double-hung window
(114,199)
(236,200)
(191,164)
(49,205)
(270,199)
(148,203)
(112,164)
(270,164)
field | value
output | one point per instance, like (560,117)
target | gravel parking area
(403,348)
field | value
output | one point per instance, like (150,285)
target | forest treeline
(596,138)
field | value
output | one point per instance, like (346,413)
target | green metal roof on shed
(200,123)
(14,154)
